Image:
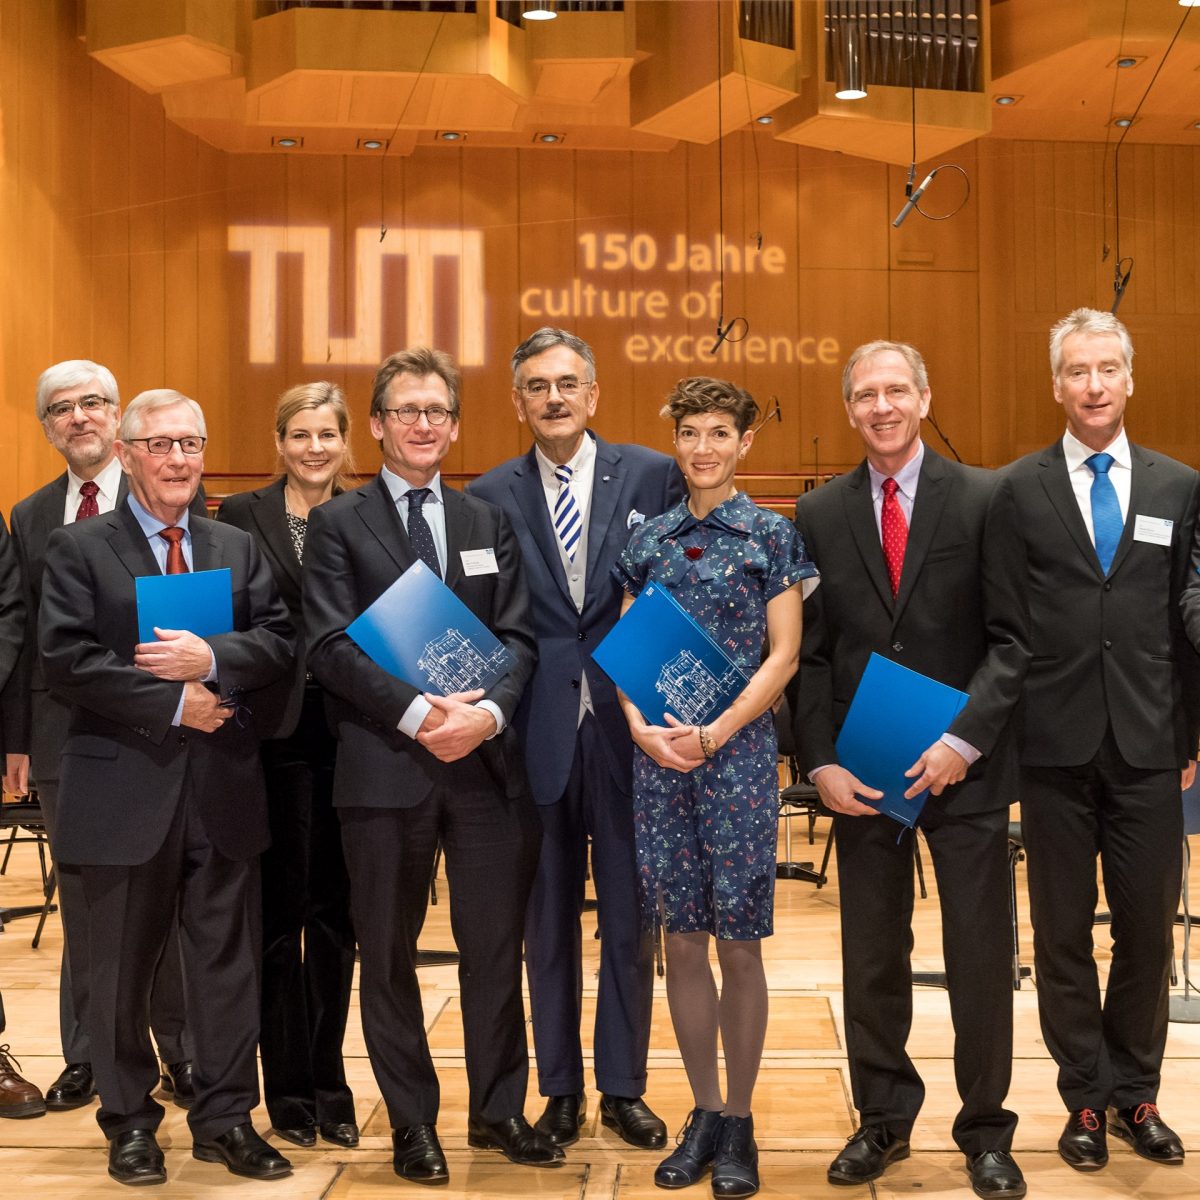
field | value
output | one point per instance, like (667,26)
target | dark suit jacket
(629,480)
(355,549)
(263,515)
(125,765)
(1102,650)
(952,619)
(35,722)
(12,617)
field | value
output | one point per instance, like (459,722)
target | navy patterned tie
(1107,525)
(567,522)
(419,533)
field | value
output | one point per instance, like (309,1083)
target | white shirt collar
(583,457)
(906,477)
(399,487)
(1077,454)
(108,481)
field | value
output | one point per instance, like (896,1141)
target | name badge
(1155,530)
(481,562)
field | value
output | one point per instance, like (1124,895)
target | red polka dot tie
(895,533)
(88,505)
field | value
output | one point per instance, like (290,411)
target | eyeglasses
(90,404)
(568,387)
(162,446)
(410,414)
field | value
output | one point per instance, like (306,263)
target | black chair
(798,798)
(25,822)
(1016,854)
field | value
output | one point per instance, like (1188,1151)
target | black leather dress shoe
(304,1136)
(735,1165)
(562,1119)
(134,1158)
(417,1155)
(867,1154)
(340,1133)
(244,1153)
(516,1139)
(1142,1127)
(996,1176)
(177,1083)
(634,1121)
(1082,1144)
(74,1088)
(695,1147)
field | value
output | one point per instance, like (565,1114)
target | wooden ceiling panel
(169,62)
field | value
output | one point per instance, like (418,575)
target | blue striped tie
(567,522)
(1107,525)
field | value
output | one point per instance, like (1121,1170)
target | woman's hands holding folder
(674,746)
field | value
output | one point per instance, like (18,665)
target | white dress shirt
(1081,475)
(108,481)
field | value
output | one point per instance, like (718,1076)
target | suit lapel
(269,512)
(608,484)
(206,554)
(1141,489)
(129,542)
(1057,483)
(530,496)
(377,511)
(933,485)
(860,516)
(459,520)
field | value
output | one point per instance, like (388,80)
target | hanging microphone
(1120,283)
(722,334)
(911,202)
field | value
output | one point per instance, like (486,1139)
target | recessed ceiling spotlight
(1196,124)
(452,135)
(1128,62)
(765,119)
(1007,101)
(287,142)
(1123,122)
(548,139)
(372,144)
(539,10)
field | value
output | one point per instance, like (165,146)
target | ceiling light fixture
(1128,62)
(765,119)
(1007,101)
(452,135)
(548,139)
(372,144)
(1123,122)
(848,72)
(288,142)
(539,10)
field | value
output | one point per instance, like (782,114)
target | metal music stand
(1186,1008)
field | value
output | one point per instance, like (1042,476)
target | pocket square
(634,518)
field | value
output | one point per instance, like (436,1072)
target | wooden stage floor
(802,1108)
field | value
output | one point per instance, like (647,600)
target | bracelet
(707,746)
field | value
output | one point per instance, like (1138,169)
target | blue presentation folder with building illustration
(895,716)
(665,662)
(421,632)
(199,601)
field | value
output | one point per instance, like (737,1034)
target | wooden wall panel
(115,242)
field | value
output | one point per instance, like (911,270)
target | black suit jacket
(1102,649)
(35,722)
(355,549)
(12,617)
(952,620)
(630,482)
(263,515)
(125,766)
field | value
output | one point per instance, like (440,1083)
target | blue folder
(421,632)
(199,601)
(895,716)
(665,662)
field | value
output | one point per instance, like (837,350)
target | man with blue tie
(1099,531)
(572,500)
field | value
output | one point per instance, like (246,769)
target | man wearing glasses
(78,406)
(162,805)
(414,770)
(573,499)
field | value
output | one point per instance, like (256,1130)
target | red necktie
(895,533)
(87,501)
(173,535)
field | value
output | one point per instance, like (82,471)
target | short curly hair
(703,394)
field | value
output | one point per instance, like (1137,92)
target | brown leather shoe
(18,1097)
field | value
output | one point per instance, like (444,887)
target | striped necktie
(568,524)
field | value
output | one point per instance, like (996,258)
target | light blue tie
(1107,524)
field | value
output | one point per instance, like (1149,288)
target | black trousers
(131,911)
(167,1008)
(553,939)
(308,937)
(1109,1051)
(491,847)
(875,880)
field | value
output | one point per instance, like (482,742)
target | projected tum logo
(420,248)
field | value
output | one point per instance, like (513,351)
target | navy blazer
(631,483)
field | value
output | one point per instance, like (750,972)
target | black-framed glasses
(410,414)
(90,405)
(162,446)
(568,387)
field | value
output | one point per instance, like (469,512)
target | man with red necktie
(900,543)
(78,405)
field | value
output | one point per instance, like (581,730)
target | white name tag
(1155,530)
(482,562)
